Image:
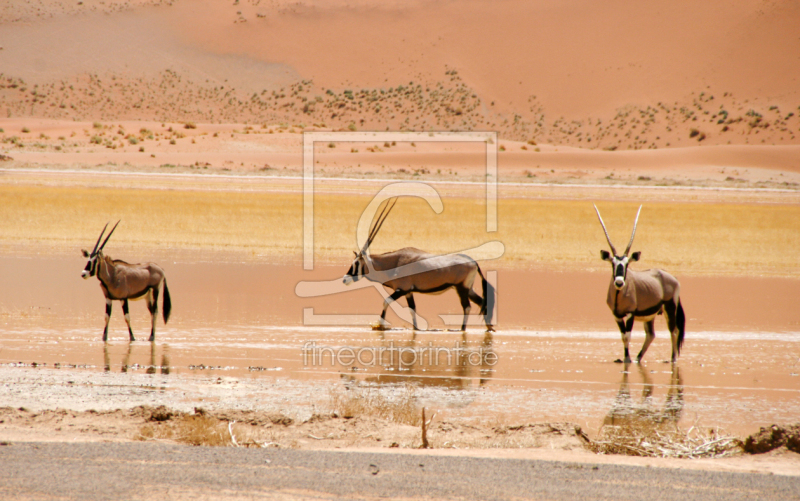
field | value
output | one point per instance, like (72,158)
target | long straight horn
(99,238)
(608,239)
(634,230)
(109,234)
(379,222)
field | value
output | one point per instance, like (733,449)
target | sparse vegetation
(654,439)
(399,406)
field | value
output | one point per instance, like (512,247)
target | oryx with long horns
(409,270)
(122,281)
(641,295)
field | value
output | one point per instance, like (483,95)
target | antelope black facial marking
(357,270)
(90,269)
(620,265)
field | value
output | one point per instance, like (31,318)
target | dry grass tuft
(198,429)
(400,407)
(653,439)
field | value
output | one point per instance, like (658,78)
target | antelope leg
(127,318)
(108,317)
(650,334)
(625,330)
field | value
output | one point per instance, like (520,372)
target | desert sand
(186,120)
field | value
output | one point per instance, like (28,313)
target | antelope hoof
(490,328)
(381,325)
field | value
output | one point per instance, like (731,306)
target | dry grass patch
(399,406)
(738,239)
(208,429)
(653,439)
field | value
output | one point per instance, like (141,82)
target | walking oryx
(122,281)
(411,270)
(641,295)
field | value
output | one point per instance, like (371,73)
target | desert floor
(246,339)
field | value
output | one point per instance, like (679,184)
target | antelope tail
(680,321)
(166,306)
(487,308)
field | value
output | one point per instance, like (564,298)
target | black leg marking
(413,306)
(394,297)
(463,294)
(625,330)
(475,298)
(108,317)
(127,318)
(650,334)
(152,305)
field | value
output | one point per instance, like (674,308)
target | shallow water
(739,383)
(237,339)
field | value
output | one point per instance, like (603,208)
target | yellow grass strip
(694,238)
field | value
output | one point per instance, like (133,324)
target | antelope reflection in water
(454,368)
(626,413)
(151,368)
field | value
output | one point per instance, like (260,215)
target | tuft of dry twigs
(655,440)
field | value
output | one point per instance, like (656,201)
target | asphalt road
(99,471)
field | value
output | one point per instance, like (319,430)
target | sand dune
(619,75)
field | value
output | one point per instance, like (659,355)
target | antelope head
(91,265)
(618,262)
(360,266)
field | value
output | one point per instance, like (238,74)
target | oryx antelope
(641,295)
(411,270)
(122,281)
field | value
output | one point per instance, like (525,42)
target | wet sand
(551,358)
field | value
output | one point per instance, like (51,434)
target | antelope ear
(355,253)
(635,256)
(85,253)
(605,255)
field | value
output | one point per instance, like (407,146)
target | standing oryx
(410,270)
(122,281)
(641,295)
